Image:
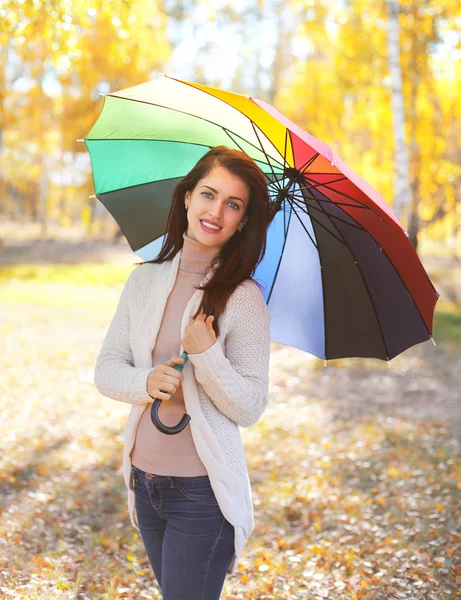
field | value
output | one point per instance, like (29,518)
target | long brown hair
(238,258)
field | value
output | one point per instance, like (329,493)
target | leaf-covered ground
(355,467)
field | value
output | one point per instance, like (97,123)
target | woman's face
(222,198)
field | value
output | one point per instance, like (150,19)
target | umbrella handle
(156,404)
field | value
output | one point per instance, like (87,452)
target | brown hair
(238,258)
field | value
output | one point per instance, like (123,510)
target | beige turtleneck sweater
(154,451)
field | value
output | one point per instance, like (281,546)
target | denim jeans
(188,540)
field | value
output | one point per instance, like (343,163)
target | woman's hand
(199,335)
(163,380)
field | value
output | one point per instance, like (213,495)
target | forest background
(326,65)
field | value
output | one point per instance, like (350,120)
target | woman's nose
(217,212)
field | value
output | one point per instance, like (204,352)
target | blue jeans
(188,540)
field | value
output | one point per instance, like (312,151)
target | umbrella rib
(285,164)
(139,185)
(228,104)
(232,133)
(322,275)
(326,229)
(303,226)
(318,184)
(275,181)
(328,201)
(395,269)
(359,227)
(322,172)
(307,207)
(234,108)
(344,195)
(228,132)
(364,281)
(274,279)
(362,205)
(302,207)
(299,171)
(146,140)
(183,112)
(285,168)
(265,154)
(308,162)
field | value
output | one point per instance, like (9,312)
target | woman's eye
(233,203)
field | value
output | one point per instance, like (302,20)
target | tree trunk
(402,190)
(413,229)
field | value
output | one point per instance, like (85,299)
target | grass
(110,274)
(447,323)
(67,284)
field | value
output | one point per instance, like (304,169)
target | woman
(189,494)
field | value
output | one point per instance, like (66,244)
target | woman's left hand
(199,335)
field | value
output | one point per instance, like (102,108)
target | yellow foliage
(116,43)
(341,91)
(341,94)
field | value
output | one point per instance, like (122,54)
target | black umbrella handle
(156,404)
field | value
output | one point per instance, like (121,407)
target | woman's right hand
(163,380)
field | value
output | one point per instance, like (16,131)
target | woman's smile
(208,227)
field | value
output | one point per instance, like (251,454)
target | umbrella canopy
(340,276)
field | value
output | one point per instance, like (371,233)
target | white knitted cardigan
(225,387)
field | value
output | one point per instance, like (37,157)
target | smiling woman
(219,214)
(227,189)
(189,493)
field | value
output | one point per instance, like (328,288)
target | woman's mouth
(209,229)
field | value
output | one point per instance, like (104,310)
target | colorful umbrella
(340,277)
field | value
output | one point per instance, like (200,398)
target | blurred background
(326,65)
(355,468)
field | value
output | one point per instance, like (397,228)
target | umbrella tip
(388,363)
(433,341)
(324,363)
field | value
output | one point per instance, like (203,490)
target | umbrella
(340,276)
